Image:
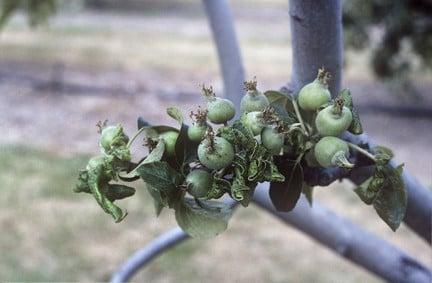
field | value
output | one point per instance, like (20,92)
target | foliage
(398,21)
(37,11)
(249,162)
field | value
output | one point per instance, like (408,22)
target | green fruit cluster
(332,118)
(276,137)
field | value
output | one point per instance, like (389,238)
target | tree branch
(317,42)
(419,208)
(322,225)
(316,31)
(316,36)
(350,241)
(230,61)
(148,253)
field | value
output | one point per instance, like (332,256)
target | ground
(57,82)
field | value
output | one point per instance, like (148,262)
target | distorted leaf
(366,191)
(98,187)
(272,173)
(118,191)
(355,126)
(219,187)
(159,175)
(382,154)
(239,188)
(391,200)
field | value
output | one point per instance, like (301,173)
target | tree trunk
(316,36)
(230,61)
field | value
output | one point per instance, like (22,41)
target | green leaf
(159,175)
(256,170)
(238,136)
(204,220)
(155,155)
(277,96)
(165,180)
(356,126)
(118,145)
(82,185)
(272,173)
(247,198)
(158,201)
(8,8)
(239,190)
(282,104)
(175,113)
(284,195)
(391,200)
(219,187)
(298,141)
(345,94)
(185,149)
(382,154)
(95,180)
(154,131)
(98,187)
(368,190)
(117,191)
(308,192)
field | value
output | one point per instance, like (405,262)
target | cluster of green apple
(330,120)
(188,168)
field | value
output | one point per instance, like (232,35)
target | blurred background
(117,60)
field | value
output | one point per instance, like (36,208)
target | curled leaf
(117,191)
(383,155)
(272,173)
(239,189)
(98,189)
(95,180)
(391,200)
(219,187)
(356,126)
(367,191)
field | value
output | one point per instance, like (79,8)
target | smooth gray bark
(348,240)
(316,37)
(139,259)
(321,224)
(230,62)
